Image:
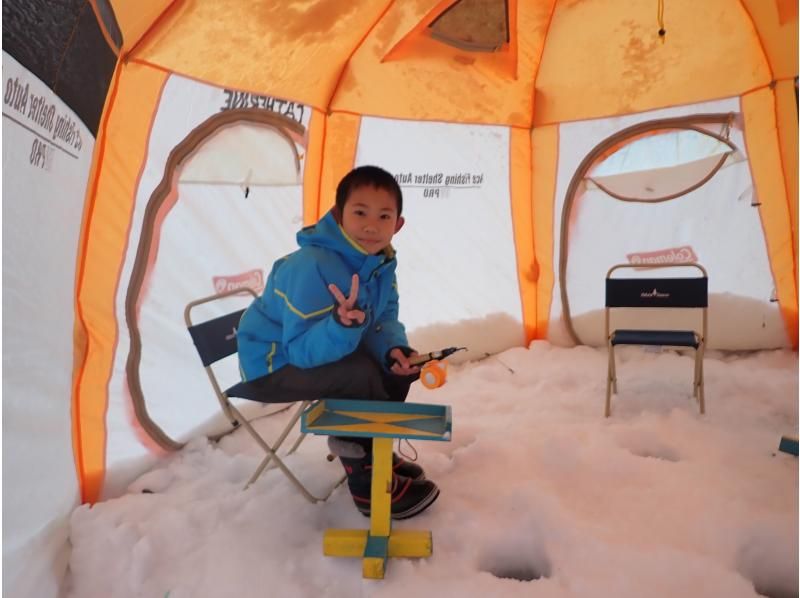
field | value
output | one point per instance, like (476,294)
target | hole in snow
(520,572)
(769,560)
(523,562)
(657,452)
(642,444)
(775,593)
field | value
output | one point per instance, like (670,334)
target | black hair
(371,176)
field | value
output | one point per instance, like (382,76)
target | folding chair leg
(613,370)
(700,383)
(296,444)
(610,379)
(220,435)
(290,426)
(272,456)
(272,450)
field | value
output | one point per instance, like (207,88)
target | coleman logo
(253,279)
(653,294)
(674,255)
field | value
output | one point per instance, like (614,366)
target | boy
(326,326)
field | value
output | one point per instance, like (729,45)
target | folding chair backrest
(657,292)
(650,292)
(216,339)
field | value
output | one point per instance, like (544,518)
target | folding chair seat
(666,293)
(215,339)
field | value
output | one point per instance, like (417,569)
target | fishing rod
(434,355)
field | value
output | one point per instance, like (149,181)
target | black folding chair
(668,293)
(214,340)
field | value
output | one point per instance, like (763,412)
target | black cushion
(673,338)
(253,391)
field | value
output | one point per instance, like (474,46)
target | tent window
(245,154)
(662,165)
(473,25)
(254,128)
(636,151)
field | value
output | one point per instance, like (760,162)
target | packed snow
(540,494)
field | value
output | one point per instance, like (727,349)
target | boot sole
(411,511)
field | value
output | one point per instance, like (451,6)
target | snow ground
(540,494)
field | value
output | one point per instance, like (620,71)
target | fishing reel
(434,369)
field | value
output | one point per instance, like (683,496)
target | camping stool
(382,421)
(215,339)
(658,293)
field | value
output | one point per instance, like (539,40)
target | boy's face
(370,218)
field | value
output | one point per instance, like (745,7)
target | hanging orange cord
(662,33)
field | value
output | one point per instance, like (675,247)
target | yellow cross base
(378,543)
(353,542)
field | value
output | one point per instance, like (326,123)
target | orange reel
(433,374)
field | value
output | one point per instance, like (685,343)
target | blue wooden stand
(382,421)
(788,444)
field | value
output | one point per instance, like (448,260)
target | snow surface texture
(541,495)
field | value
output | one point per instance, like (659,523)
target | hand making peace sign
(345,310)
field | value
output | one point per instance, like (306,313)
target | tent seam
(355,49)
(550,227)
(539,64)
(784,180)
(664,107)
(782,307)
(148,31)
(321,163)
(760,40)
(76,402)
(514,218)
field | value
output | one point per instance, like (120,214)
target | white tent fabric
(238,237)
(444,169)
(605,231)
(41,229)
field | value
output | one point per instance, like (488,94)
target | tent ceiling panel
(622,66)
(435,81)
(295,51)
(375,58)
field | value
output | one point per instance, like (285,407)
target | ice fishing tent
(156,151)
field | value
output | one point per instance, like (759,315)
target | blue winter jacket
(292,321)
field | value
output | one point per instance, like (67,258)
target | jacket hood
(327,233)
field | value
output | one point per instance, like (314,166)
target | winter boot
(343,446)
(408,497)
(406,469)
